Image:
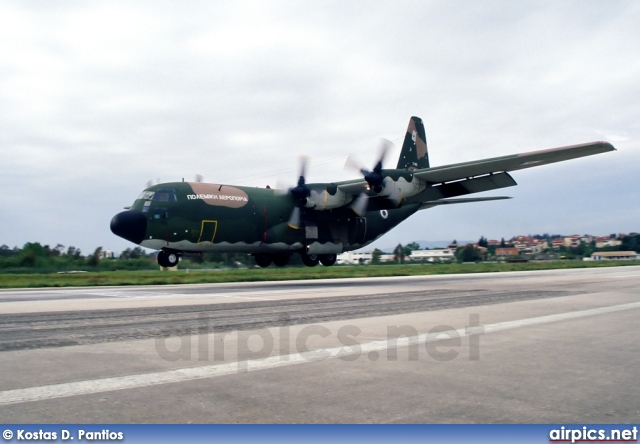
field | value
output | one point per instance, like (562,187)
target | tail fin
(414,153)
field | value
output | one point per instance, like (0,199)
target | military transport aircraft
(316,220)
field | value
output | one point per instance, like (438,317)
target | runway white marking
(210,371)
(155,295)
(135,294)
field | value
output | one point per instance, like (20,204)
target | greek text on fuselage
(216,197)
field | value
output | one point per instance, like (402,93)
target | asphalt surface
(553,346)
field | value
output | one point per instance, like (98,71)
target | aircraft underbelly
(248,230)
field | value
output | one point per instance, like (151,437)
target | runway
(536,347)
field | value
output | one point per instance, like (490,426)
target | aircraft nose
(130,225)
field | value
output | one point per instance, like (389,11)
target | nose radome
(130,225)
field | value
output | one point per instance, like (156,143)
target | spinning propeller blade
(300,194)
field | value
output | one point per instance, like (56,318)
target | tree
(58,250)
(375,256)
(469,254)
(126,254)
(399,253)
(631,243)
(412,246)
(5,251)
(73,252)
(31,253)
(94,259)
(136,253)
(483,242)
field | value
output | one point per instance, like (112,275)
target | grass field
(273,274)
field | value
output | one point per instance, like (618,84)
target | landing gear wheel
(281,259)
(168,259)
(328,259)
(263,260)
(310,260)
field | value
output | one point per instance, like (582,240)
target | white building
(358,258)
(354,258)
(433,255)
(603,242)
(615,256)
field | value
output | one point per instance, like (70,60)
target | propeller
(150,182)
(359,206)
(374,177)
(300,194)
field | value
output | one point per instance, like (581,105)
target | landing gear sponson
(280,260)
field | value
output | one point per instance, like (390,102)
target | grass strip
(157,277)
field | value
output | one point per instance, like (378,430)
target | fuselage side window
(161,213)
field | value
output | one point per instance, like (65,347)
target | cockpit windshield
(165,195)
(146,195)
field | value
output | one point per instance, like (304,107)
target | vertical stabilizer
(414,153)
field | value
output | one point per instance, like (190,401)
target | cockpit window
(165,195)
(146,195)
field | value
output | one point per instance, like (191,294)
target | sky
(98,98)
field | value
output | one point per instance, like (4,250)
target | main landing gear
(168,258)
(282,259)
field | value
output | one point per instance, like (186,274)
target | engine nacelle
(401,188)
(324,199)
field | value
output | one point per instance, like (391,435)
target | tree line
(35,257)
(483,251)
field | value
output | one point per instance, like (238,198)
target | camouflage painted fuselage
(318,220)
(204,217)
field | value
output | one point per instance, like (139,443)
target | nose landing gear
(168,258)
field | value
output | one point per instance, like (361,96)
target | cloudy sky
(97,98)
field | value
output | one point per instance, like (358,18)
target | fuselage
(206,217)
(318,220)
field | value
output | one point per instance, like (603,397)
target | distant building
(360,258)
(575,240)
(433,255)
(507,251)
(528,244)
(606,241)
(615,256)
(354,258)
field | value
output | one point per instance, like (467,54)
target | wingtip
(607,145)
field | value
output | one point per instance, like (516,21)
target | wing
(513,162)
(448,181)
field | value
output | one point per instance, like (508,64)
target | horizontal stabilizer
(434,203)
